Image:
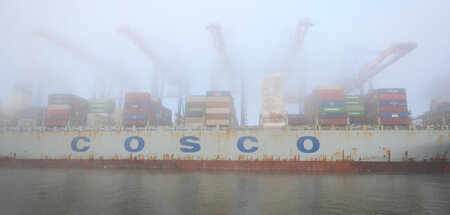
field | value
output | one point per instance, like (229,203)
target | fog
(345,36)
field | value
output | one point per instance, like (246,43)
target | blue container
(357,123)
(134,117)
(332,115)
(399,115)
(390,91)
(393,103)
(136,106)
(331,103)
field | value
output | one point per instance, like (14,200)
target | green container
(99,110)
(352,98)
(332,110)
(353,102)
(195,109)
(356,113)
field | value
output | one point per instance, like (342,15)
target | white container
(219,99)
(218,122)
(195,98)
(218,110)
(194,120)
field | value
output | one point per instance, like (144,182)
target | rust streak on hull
(315,166)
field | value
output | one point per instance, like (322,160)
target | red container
(392,97)
(357,119)
(218,105)
(330,91)
(57,112)
(394,109)
(137,97)
(333,121)
(217,116)
(275,115)
(129,123)
(56,123)
(331,97)
(395,121)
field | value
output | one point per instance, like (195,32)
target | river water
(125,191)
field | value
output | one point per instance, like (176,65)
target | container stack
(329,105)
(137,109)
(297,119)
(142,110)
(164,117)
(65,110)
(99,112)
(195,110)
(273,112)
(116,117)
(439,113)
(355,110)
(387,107)
(30,117)
(220,109)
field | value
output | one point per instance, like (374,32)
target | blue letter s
(195,146)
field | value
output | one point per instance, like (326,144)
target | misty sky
(346,35)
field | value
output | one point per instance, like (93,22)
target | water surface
(124,191)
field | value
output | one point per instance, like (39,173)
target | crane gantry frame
(384,60)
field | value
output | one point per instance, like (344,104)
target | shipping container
(400,115)
(333,121)
(218,93)
(331,103)
(390,91)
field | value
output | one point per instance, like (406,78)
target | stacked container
(195,110)
(137,109)
(387,107)
(297,119)
(30,117)
(99,112)
(116,117)
(439,113)
(273,112)
(330,105)
(355,110)
(220,109)
(65,110)
(164,117)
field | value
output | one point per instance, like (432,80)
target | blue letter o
(301,144)
(140,144)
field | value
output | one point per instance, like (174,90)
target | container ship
(336,132)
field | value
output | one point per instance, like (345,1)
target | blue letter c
(75,141)
(240,144)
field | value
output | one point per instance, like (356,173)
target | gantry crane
(159,65)
(386,58)
(66,46)
(227,71)
(288,68)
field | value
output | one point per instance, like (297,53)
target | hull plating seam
(348,166)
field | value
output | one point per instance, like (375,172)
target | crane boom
(63,44)
(297,43)
(219,44)
(386,58)
(140,43)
